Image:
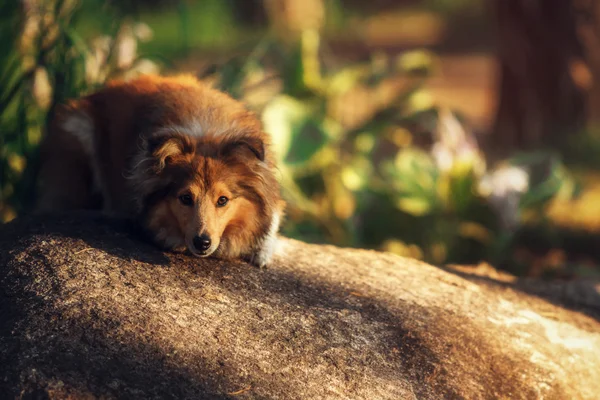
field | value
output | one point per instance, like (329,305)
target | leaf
(342,81)
(462,192)
(414,182)
(416,61)
(293,73)
(541,194)
(402,249)
(301,70)
(474,230)
(356,175)
(352,179)
(415,171)
(548,180)
(421,100)
(417,206)
(308,137)
(364,143)
(344,204)
(231,78)
(296,129)
(279,118)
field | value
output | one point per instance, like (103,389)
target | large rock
(90,310)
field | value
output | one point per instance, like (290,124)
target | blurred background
(453,131)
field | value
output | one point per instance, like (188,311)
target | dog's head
(211,194)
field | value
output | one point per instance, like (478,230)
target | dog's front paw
(259,260)
(262,255)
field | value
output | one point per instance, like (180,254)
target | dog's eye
(222,201)
(186,199)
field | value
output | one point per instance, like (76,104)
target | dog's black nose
(202,242)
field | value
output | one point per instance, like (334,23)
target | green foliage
(368,184)
(38,51)
(413,179)
(192,24)
(44,62)
(372,181)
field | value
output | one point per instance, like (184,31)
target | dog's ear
(165,146)
(249,145)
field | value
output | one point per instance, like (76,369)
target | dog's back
(93,140)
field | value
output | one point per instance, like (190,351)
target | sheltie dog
(189,163)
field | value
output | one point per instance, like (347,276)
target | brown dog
(187,161)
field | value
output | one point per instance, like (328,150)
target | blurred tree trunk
(251,12)
(588,29)
(539,101)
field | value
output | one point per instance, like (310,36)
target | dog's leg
(264,253)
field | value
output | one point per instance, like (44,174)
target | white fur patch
(269,243)
(197,127)
(81,126)
(193,128)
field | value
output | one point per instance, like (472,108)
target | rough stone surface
(90,310)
